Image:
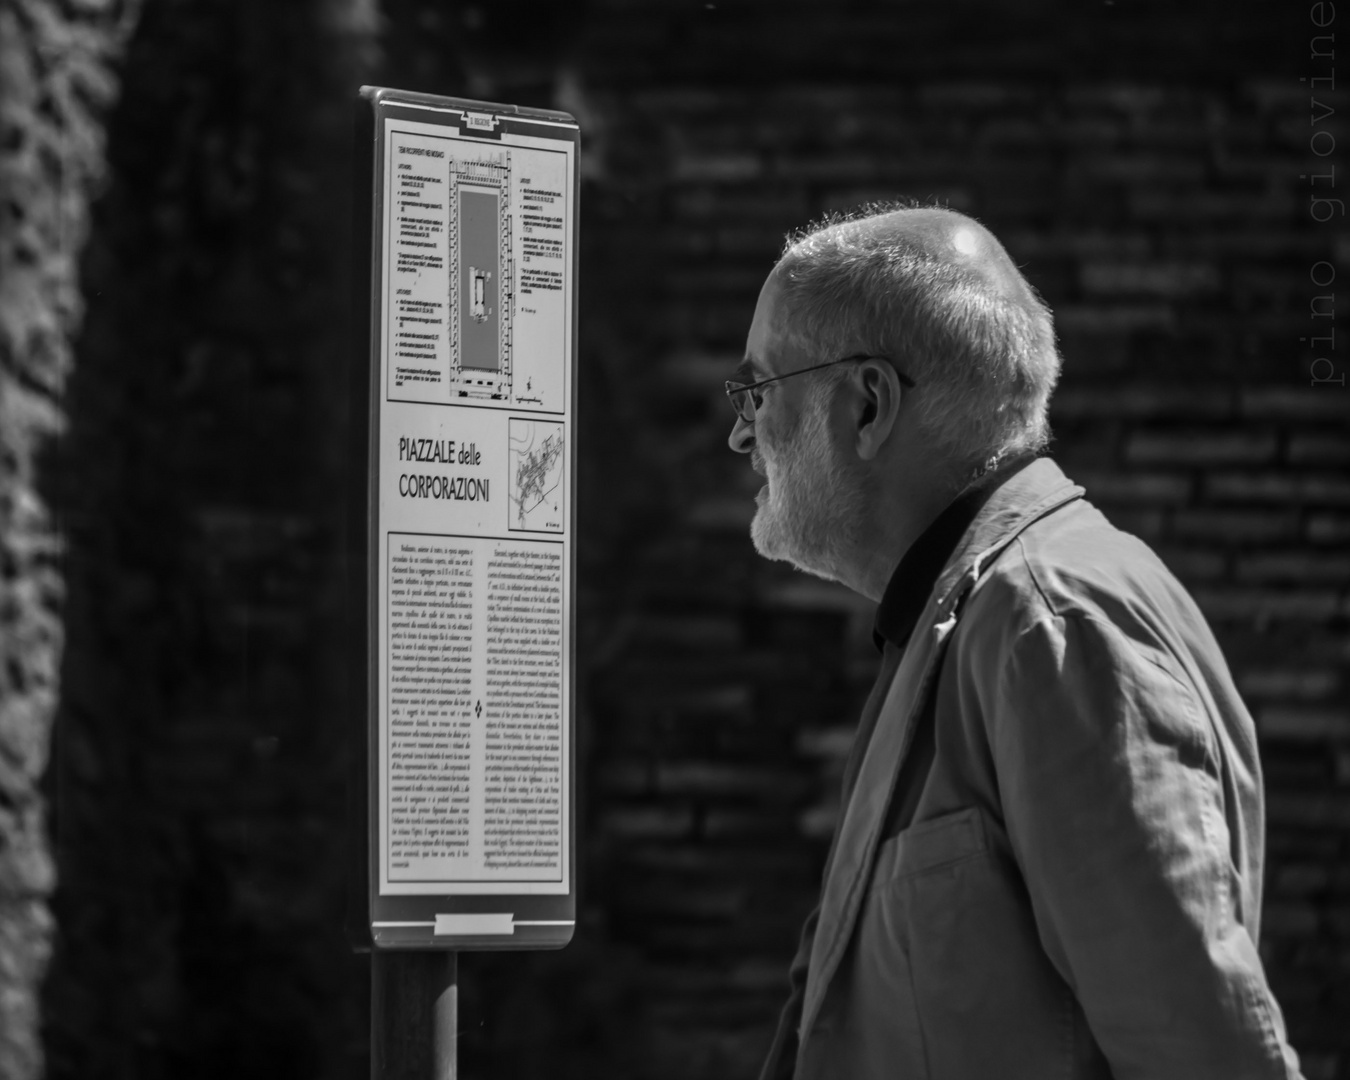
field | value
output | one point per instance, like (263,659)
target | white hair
(980,347)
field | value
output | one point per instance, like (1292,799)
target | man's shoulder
(1074,563)
(1071,589)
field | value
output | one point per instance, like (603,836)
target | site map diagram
(535,476)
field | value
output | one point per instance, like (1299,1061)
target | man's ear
(882,397)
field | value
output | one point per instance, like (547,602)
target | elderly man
(1048,860)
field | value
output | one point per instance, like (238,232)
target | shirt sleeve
(1110,779)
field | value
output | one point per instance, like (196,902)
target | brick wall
(1146,165)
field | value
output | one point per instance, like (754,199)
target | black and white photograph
(674,540)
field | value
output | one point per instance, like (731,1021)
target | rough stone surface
(57,82)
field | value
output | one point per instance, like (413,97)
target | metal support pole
(414,1019)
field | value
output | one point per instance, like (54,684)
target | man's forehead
(762,340)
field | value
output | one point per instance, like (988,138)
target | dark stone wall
(1147,164)
(198,784)
(57,81)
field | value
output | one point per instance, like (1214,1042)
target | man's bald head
(936,292)
(948,237)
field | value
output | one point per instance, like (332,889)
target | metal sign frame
(462,594)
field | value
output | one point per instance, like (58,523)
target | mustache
(757,461)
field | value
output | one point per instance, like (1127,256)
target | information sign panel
(464,388)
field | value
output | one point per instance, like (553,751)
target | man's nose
(742,437)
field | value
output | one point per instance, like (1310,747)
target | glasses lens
(742,400)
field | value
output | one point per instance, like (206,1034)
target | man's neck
(903,519)
(902,522)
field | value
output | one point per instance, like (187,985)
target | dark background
(1146,163)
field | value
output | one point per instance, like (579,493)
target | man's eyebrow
(746,371)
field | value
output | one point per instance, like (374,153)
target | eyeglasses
(745,400)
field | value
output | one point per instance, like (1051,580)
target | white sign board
(469,550)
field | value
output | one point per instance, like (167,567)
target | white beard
(810,511)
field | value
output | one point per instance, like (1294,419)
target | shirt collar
(919,569)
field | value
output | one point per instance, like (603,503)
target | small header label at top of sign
(480,121)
